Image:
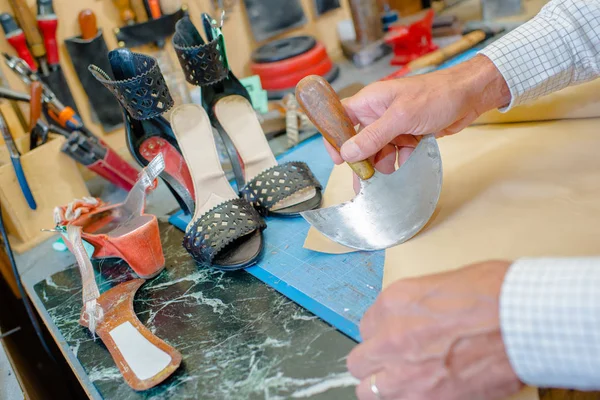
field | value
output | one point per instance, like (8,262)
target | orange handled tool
(34,39)
(48,23)
(126,13)
(35,104)
(88,24)
(154,8)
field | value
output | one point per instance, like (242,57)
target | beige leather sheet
(510,191)
(581,101)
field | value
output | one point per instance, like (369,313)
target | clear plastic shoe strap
(136,199)
(90,292)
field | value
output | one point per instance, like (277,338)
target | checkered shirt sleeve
(550,321)
(559,47)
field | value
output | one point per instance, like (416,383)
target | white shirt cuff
(550,321)
(533,59)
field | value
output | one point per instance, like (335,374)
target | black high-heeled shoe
(283,190)
(144,96)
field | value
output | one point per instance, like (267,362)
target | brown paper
(339,189)
(510,191)
(581,101)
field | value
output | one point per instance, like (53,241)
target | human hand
(394,113)
(436,337)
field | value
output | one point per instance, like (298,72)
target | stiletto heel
(283,190)
(225,231)
(121,230)
(144,96)
(143,358)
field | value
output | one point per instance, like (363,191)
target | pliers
(15,158)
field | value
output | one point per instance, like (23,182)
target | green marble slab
(239,338)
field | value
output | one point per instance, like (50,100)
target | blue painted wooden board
(337,288)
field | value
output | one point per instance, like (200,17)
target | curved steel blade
(389,209)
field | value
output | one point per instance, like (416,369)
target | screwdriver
(16,38)
(125,12)
(34,39)
(87,24)
(48,23)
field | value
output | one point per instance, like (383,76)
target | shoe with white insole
(225,231)
(274,189)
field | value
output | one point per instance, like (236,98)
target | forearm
(559,47)
(550,319)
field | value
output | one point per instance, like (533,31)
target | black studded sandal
(225,231)
(141,89)
(282,190)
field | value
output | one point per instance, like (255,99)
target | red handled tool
(93,152)
(48,23)
(26,20)
(16,38)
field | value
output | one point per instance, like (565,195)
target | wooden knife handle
(439,56)
(35,103)
(27,22)
(88,24)
(325,110)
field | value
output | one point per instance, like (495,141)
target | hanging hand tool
(139,9)
(87,24)
(16,38)
(127,15)
(15,158)
(3,83)
(153,7)
(389,209)
(154,12)
(34,39)
(170,6)
(106,163)
(60,113)
(48,23)
(35,113)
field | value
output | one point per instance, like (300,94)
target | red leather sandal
(121,230)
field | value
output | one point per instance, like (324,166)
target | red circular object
(297,63)
(291,80)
